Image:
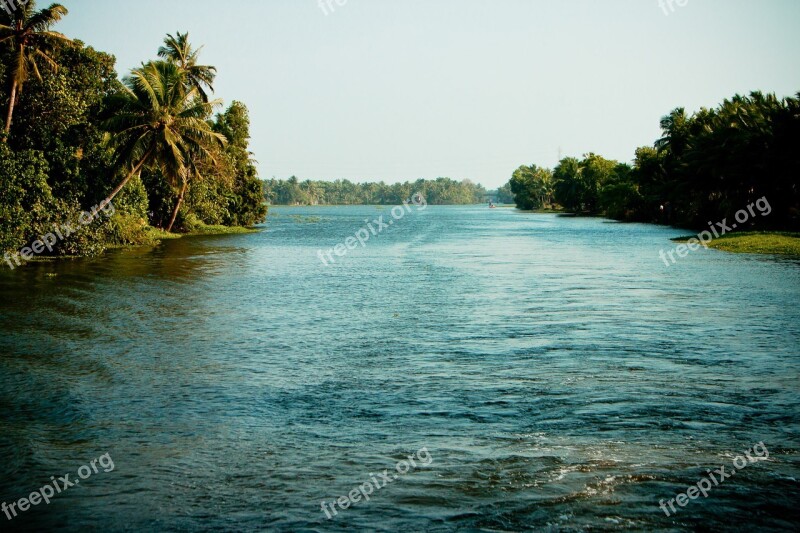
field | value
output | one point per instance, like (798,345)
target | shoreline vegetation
(154,237)
(154,149)
(441,191)
(743,242)
(708,166)
(754,242)
(173,162)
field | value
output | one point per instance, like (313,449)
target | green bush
(25,197)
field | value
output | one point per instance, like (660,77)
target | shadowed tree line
(705,167)
(75,136)
(442,191)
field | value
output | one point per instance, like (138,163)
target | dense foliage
(69,143)
(532,187)
(442,191)
(705,167)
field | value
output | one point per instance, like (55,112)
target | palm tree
(28,33)
(155,122)
(197,164)
(186,174)
(567,183)
(178,51)
(312,192)
(675,127)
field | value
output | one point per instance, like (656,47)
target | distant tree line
(442,191)
(705,167)
(504,194)
(75,136)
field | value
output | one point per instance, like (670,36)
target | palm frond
(44,19)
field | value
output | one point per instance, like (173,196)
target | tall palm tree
(311,190)
(567,183)
(28,33)
(197,163)
(187,173)
(178,50)
(675,128)
(155,122)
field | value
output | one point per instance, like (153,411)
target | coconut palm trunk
(178,205)
(135,171)
(11,105)
(31,43)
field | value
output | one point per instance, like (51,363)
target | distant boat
(492,206)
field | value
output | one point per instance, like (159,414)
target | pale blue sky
(407,89)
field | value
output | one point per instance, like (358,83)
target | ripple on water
(561,378)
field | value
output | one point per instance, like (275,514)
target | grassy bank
(541,210)
(154,236)
(776,243)
(213,230)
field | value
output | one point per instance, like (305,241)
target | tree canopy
(442,191)
(81,135)
(705,166)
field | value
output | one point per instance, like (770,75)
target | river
(556,373)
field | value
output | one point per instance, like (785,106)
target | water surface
(561,377)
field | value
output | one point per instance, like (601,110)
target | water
(559,375)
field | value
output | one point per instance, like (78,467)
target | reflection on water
(559,374)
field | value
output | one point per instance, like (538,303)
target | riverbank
(756,242)
(154,236)
(746,242)
(217,230)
